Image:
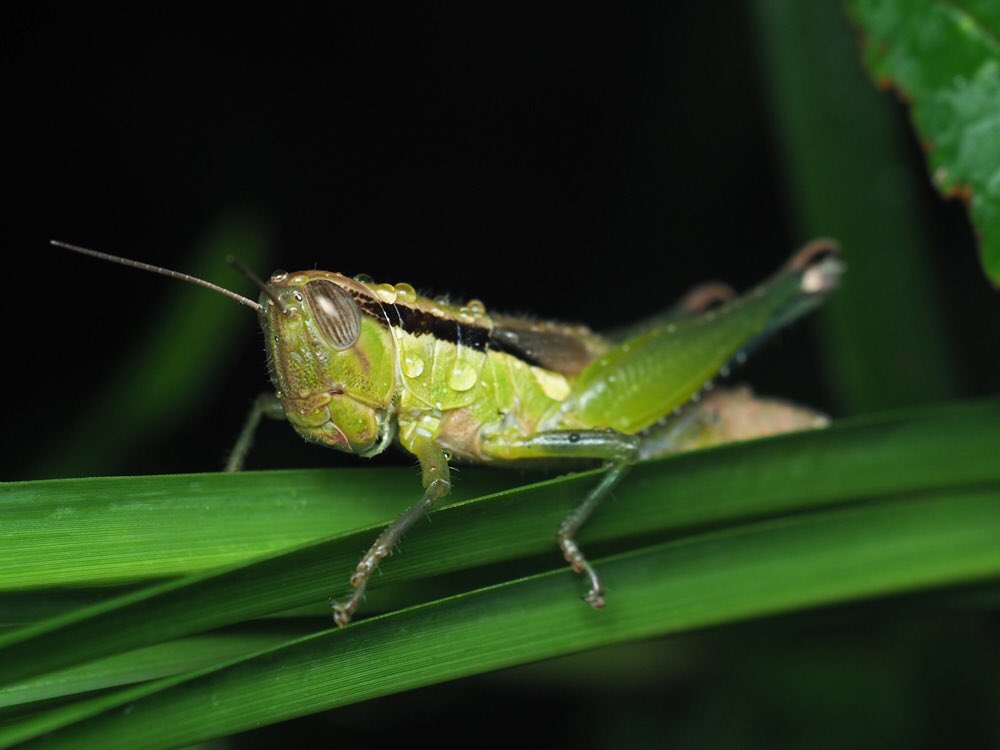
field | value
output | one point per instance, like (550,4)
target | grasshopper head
(332,365)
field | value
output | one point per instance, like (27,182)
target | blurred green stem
(849,175)
(171,369)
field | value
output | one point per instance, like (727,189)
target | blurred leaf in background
(943,58)
(173,366)
(849,176)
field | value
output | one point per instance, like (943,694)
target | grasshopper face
(332,366)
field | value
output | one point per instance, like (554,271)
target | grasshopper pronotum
(358,365)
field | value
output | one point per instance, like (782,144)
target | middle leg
(618,450)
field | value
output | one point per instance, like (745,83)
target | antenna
(254,279)
(157,269)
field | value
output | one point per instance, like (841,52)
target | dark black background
(581,163)
(587,163)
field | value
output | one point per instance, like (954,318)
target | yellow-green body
(471,401)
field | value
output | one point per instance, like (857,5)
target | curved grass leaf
(944,58)
(96,531)
(152,662)
(112,530)
(844,553)
(940,449)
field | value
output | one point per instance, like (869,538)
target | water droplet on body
(462,377)
(386,293)
(406,293)
(412,366)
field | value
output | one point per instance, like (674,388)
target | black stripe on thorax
(417,322)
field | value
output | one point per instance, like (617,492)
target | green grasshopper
(358,365)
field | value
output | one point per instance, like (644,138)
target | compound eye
(337,315)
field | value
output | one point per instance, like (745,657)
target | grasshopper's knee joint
(438,487)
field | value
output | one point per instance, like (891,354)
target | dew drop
(462,377)
(364,278)
(386,293)
(412,366)
(476,307)
(406,293)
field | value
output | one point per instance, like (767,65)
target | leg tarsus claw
(595,599)
(342,613)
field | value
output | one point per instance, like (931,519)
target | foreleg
(266,405)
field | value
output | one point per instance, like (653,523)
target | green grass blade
(152,662)
(109,530)
(933,449)
(112,530)
(840,554)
